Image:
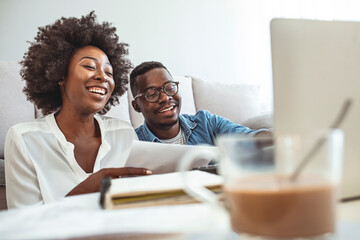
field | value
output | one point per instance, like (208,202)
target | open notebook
(154,190)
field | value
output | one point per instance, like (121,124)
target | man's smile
(166,109)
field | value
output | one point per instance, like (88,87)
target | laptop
(316,67)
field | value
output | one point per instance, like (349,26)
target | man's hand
(92,183)
(265,139)
(264,134)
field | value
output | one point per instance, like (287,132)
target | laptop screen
(316,67)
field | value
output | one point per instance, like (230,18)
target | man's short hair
(140,70)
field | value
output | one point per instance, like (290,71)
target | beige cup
(264,198)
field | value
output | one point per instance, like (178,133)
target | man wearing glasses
(156,96)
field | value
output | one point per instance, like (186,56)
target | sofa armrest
(261,121)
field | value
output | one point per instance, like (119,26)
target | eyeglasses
(153,94)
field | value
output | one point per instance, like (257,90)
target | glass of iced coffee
(285,186)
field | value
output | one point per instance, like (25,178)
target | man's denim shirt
(201,128)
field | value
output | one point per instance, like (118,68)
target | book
(155,190)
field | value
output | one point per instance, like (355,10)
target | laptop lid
(316,67)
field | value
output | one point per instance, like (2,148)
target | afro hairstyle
(46,62)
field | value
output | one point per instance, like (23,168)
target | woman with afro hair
(75,70)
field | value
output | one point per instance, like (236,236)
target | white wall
(216,40)
(191,37)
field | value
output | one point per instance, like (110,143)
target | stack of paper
(162,157)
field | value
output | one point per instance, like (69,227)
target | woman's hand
(92,183)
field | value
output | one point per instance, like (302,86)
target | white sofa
(237,102)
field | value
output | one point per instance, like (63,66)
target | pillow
(236,102)
(121,110)
(15,108)
(187,95)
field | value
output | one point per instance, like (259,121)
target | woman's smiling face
(89,82)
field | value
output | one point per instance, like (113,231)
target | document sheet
(162,157)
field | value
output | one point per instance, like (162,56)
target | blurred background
(215,40)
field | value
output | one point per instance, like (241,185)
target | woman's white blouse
(40,165)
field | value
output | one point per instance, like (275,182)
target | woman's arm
(92,183)
(22,186)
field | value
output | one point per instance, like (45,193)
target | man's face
(163,113)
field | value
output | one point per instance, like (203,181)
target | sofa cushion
(14,106)
(187,99)
(121,110)
(236,102)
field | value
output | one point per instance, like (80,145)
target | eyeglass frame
(159,91)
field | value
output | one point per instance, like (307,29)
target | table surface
(349,210)
(80,217)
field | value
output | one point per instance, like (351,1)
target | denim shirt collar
(186,124)
(148,134)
